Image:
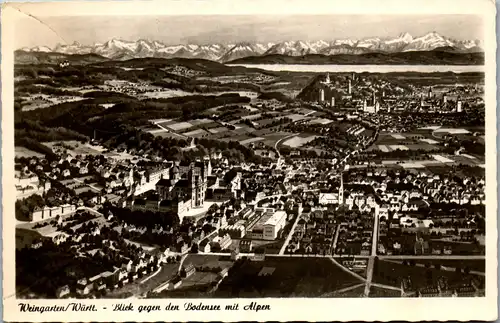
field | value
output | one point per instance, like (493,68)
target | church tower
(321,95)
(459,105)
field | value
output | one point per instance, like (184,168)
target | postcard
(249,160)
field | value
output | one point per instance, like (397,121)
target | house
(245,246)
(365,249)
(235,254)
(127,266)
(223,273)
(221,242)
(176,282)
(204,246)
(84,287)
(37,244)
(259,256)
(421,247)
(122,275)
(189,270)
(63,292)
(429,292)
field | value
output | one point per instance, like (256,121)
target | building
(189,270)
(63,292)
(245,246)
(373,106)
(221,242)
(328,198)
(28,184)
(47,212)
(188,182)
(459,105)
(273,225)
(321,98)
(204,246)
(236,231)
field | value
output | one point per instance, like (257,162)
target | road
(277,150)
(169,131)
(88,209)
(290,234)
(89,185)
(371,260)
(402,257)
(335,239)
(181,262)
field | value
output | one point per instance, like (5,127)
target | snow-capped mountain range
(122,50)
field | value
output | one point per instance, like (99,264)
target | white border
(340,309)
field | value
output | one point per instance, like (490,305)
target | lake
(365,68)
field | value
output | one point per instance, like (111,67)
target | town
(360,185)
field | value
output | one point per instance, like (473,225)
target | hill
(24,57)
(433,57)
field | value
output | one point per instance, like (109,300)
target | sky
(30,31)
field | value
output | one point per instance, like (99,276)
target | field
(77,148)
(453,131)
(272,138)
(292,277)
(198,133)
(25,152)
(295,117)
(179,126)
(272,247)
(208,260)
(322,121)
(250,140)
(198,278)
(442,159)
(298,141)
(218,130)
(441,169)
(387,142)
(166,134)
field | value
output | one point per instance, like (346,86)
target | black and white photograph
(331,155)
